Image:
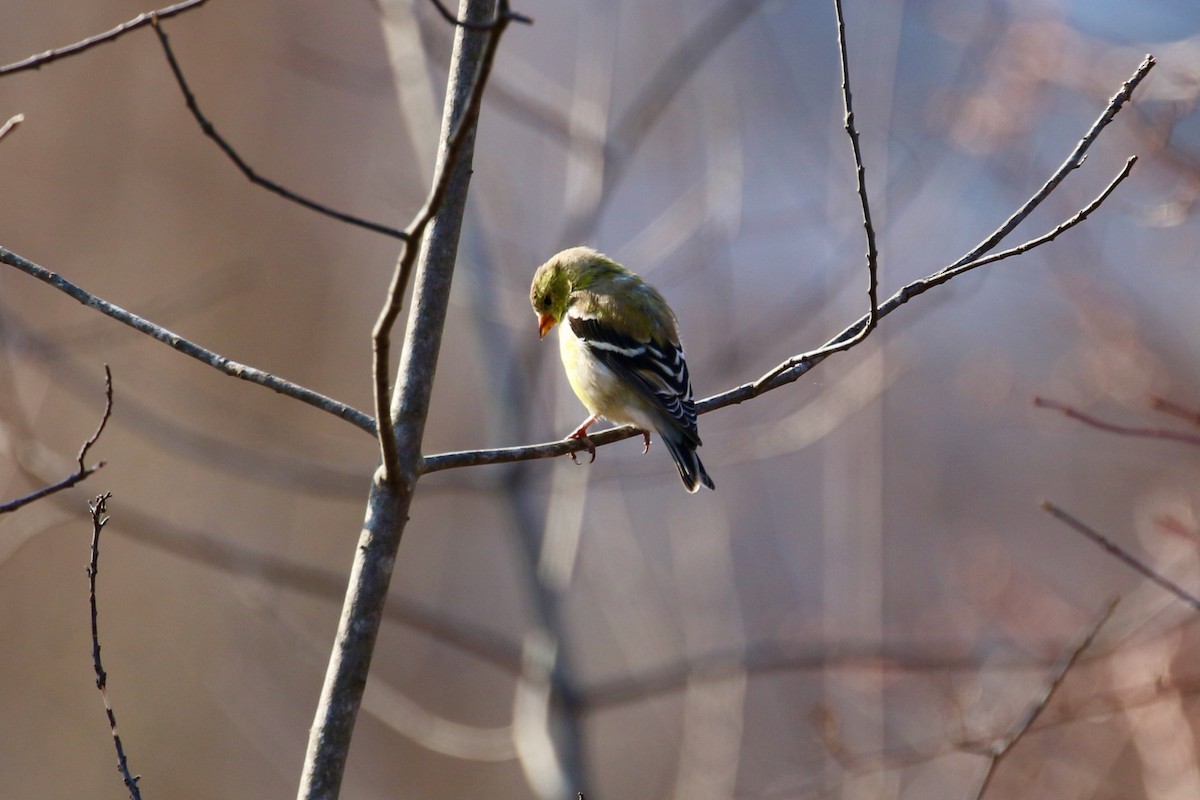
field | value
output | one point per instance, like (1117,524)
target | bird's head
(549,294)
(567,272)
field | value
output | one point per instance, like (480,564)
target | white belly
(597,387)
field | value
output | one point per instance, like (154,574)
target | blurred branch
(1111,427)
(11,124)
(251,175)
(797,366)
(82,471)
(1122,554)
(145,18)
(446,169)
(188,348)
(436,733)
(501,19)
(995,751)
(99,520)
(1175,409)
(652,100)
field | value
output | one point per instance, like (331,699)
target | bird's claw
(591,448)
(646,446)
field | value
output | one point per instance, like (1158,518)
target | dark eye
(545,301)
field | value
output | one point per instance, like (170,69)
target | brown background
(884,507)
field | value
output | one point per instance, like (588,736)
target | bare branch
(1047,237)
(787,372)
(1074,160)
(82,471)
(188,348)
(391,494)
(997,750)
(1111,427)
(1122,554)
(145,18)
(99,520)
(864,327)
(381,336)
(861,176)
(251,175)
(794,367)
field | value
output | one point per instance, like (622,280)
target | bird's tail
(690,468)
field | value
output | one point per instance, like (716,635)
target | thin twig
(1073,161)
(188,348)
(381,336)
(1111,427)
(868,323)
(1121,554)
(145,18)
(13,122)
(1045,238)
(861,176)
(210,131)
(81,472)
(787,372)
(99,520)
(997,750)
(791,369)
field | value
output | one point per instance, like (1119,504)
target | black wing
(656,371)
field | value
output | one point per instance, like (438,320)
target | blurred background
(871,594)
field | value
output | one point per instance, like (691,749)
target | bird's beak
(545,323)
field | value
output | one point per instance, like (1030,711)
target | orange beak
(545,323)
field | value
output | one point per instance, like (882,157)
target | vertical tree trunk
(387,506)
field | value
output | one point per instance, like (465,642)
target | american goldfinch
(621,351)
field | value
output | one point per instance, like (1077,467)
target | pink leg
(581,433)
(646,447)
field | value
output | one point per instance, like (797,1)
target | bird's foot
(581,434)
(646,438)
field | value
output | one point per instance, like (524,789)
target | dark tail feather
(688,463)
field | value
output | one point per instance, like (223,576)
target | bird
(620,348)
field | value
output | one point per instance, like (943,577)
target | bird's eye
(545,301)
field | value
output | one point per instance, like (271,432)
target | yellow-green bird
(620,347)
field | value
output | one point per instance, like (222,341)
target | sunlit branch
(787,372)
(145,18)
(9,126)
(188,348)
(1074,160)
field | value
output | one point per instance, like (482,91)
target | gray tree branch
(390,498)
